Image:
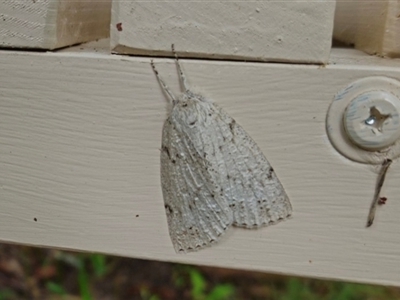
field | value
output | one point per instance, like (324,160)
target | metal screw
(372,121)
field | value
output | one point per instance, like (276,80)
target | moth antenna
(182,76)
(163,84)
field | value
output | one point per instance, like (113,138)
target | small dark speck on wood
(377,199)
(119,26)
(382,200)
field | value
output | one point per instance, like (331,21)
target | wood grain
(79,151)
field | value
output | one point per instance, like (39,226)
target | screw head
(363,120)
(372,120)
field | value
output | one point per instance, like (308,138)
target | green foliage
(198,284)
(354,291)
(83,280)
(221,291)
(297,288)
(55,288)
(178,279)
(81,262)
(55,273)
(145,294)
(7,294)
(199,287)
(99,264)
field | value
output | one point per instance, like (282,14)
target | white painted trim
(80,136)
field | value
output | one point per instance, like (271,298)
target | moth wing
(254,192)
(197,215)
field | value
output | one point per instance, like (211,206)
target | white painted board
(51,24)
(371,26)
(80,138)
(285,31)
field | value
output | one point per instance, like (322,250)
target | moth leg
(182,76)
(163,84)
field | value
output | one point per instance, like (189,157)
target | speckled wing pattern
(215,178)
(197,212)
(213,174)
(252,189)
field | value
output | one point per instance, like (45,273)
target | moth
(213,174)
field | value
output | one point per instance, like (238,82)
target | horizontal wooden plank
(288,31)
(79,158)
(46,24)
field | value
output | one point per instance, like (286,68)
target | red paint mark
(119,26)
(382,200)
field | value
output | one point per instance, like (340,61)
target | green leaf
(221,292)
(83,280)
(198,284)
(99,264)
(298,289)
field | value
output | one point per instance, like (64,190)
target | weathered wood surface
(79,152)
(285,31)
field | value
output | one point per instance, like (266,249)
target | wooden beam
(80,136)
(51,24)
(294,31)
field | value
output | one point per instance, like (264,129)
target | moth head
(189,109)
